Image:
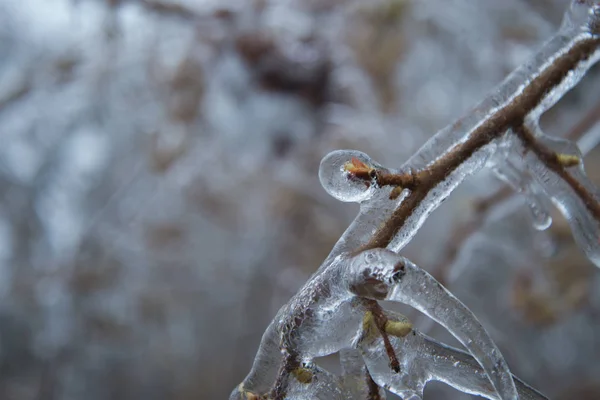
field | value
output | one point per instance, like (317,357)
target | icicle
(509,168)
(541,218)
(459,370)
(578,209)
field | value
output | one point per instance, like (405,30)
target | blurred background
(159,198)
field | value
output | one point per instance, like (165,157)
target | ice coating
(421,291)
(560,64)
(508,166)
(383,274)
(437,195)
(510,89)
(328,313)
(583,15)
(355,375)
(312,382)
(424,359)
(264,368)
(337,180)
(324,317)
(308,382)
(577,199)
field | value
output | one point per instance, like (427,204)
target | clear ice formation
(424,359)
(413,286)
(509,168)
(540,184)
(336,180)
(580,27)
(584,223)
(331,311)
(328,315)
(355,375)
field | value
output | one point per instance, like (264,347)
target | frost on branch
(337,310)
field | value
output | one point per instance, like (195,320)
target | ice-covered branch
(424,359)
(382,274)
(337,309)
(464,147)
(586,133)
(558,168)
(356,377)
(330,312)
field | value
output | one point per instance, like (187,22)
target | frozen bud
(347,175)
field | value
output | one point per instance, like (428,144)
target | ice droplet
(340,183)
(541,218)
(578,211)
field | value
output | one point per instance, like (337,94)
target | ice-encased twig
(315,383)
(264,367)
(463,147)
(424,359)
(321,308)
(324,317)
(327,314)
(356,379)
(588,135)
(384,275)
(507,165)
(567,186)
